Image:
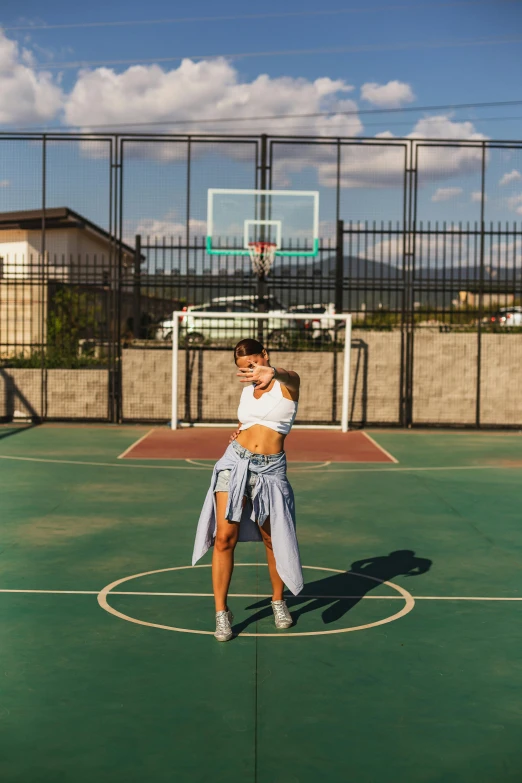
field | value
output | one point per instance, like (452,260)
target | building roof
(55,217)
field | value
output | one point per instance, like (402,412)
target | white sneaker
(282,617)
(224,620)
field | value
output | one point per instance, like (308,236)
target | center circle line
(103,602)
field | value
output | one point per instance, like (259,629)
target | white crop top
(270,410)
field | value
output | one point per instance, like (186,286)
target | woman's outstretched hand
(234,435)
(259,374)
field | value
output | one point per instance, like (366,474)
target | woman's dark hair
(248,347)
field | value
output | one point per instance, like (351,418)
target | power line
(310,115)
(403,123)
(294,128)
(398,124)
(407,45)
(239,17)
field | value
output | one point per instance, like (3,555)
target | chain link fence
(102,237)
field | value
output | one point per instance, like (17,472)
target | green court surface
(433,695)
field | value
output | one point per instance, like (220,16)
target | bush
(74,316)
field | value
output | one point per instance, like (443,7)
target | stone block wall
(67,394)
(20,393)
(444,377)
(210,390)
(445,383)
(75,394)
(501,379)
(146,383)
(375,377)
(445,380)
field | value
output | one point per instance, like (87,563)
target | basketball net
(262,255)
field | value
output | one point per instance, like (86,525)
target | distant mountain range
(355,269)
(368,284)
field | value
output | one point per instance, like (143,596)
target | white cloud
(429,250)
(446,194)
(196,90)
(170,225)
(25,94)
(213,88)
(445,162)
(476,196)
(443,127)
(391,95)
(512,176)
(4,183)
(374,166)
(515,203)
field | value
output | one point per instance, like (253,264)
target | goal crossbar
(179,315)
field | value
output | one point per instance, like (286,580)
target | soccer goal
(206,390)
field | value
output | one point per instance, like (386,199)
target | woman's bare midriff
(261,440)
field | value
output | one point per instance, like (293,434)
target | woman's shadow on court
(335,595)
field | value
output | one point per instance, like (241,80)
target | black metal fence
(103,236)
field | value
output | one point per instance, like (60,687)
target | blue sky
(406,59)
(437,76)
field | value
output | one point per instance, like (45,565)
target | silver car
(319,326)
(200,331)
(507,316)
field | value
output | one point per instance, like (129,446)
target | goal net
(206,389)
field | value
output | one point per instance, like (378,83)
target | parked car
(198,331)
(508,316)
(319,327)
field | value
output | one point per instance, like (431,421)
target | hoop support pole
(345,410)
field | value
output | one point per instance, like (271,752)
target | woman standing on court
(250,497)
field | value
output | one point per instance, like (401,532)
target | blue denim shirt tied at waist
(272,497)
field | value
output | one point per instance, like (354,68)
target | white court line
(207,467)
(133,445)
(100,464)
(417,470)
(311,466)
(378,445)
(463,598)
(52,592)
(268,595)
(409,604)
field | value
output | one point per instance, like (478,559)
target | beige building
(71,250)
(71,247)
(472,299)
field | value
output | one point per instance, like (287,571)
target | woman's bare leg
(227,534)
(278,585)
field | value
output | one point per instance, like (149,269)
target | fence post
(261,277)
(136,313)
(481,285)
(339,267)
(44,284)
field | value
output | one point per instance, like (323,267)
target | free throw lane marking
(303,466)
(133,445)
(378,446)
(409,603)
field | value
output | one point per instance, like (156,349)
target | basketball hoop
(262,255)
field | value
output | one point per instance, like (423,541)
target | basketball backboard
(287,218)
